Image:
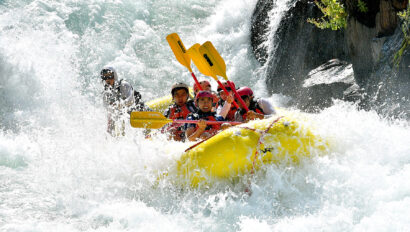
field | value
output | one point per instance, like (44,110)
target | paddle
(217,64)
(204,67)
(155,120)
(180,53)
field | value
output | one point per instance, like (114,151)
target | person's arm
(265,105)
(226,107)
(252,115)
(127,94)
(193,134)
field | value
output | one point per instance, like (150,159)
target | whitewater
(60,171)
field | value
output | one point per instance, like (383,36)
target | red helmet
(226,85)
(245,91)
(201,83)
(203,94)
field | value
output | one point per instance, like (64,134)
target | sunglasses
(107,74)
(227,88)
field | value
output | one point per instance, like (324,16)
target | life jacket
(179,112)
(231,113)
(254,106)
(208,116)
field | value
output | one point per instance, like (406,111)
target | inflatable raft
(245,148)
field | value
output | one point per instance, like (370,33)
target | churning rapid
(59,171)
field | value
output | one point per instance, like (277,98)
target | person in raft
(259,108)
(179,110)
(119,98)
(205,85)
(225,106)
(201,130)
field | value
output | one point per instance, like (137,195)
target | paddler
(119,98)
(258,109)
(179,110)
(203,100)
(225,106)
(205,85)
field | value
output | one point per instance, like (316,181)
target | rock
(367,18)
(331,80)
(369,43)
(330,72)
(260,25)
(400,4)
(386,19)
(300,47)
(388,88)
(363,47)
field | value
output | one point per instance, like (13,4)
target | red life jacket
(211,129)
(231,113)
(177,112)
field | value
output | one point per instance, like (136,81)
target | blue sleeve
(189,125)
(219,118)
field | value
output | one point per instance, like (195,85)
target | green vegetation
(362,6)
(405,27)
(334,15)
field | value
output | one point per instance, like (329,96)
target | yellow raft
(245,148)
(160,104)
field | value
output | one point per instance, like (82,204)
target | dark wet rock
(331,80)
(260,26)
(300,48)
(388,88)
(367,18)
(366,33)
(369,43)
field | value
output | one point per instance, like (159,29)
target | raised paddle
(155,120)
(181,54)
(204,67)
(217,65)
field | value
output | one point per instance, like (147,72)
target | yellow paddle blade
(199,61)
(214,60)
(150,120)
(179,50)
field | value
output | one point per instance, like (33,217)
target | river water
(59,171)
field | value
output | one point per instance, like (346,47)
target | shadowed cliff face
(260,28)
(299,47)
(369,42)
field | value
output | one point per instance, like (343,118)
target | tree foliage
(405,27)
(334,15)
(362,6)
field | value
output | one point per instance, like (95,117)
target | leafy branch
(334,15)
(405,27)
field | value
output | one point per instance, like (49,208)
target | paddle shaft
(207,122)
(238,97)
(226,91)
(196,81)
